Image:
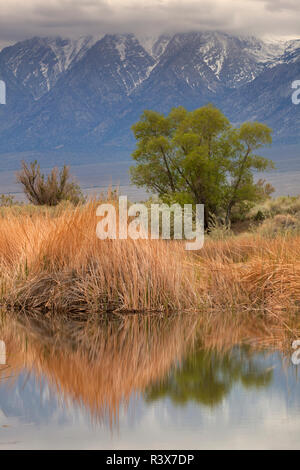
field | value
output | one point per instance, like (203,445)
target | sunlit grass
(51,262)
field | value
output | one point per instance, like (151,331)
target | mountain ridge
(85,94)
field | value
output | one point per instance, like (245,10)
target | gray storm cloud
(72,18)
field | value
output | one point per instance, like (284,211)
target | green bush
(7,200)
(289,205)
(281,224)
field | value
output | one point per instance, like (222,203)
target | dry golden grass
(58,264)
(252,272)
(54,263)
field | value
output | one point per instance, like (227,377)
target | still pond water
(143,383)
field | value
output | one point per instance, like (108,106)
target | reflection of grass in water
(102,365)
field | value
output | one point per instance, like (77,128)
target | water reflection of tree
(206,377)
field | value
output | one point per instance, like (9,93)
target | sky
(21,19)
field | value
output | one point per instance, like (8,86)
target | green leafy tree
(244,142)
(198,157)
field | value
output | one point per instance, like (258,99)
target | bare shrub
(51,189)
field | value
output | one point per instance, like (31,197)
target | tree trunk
(228,213)
(206,217)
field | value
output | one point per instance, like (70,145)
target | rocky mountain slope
(84,95)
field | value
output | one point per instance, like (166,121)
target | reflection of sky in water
(257,417)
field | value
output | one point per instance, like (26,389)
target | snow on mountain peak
(155,46)
(210,56)
(121,46)
(68,50)
(147,42)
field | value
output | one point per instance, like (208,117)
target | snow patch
(147,42)
(154,45)
(121,47)
(73,50)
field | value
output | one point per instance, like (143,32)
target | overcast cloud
(21,19)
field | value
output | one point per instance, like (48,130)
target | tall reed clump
(59,264)
(251,273)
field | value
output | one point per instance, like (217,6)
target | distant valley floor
(95,178)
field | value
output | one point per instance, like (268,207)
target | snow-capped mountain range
(85,94)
